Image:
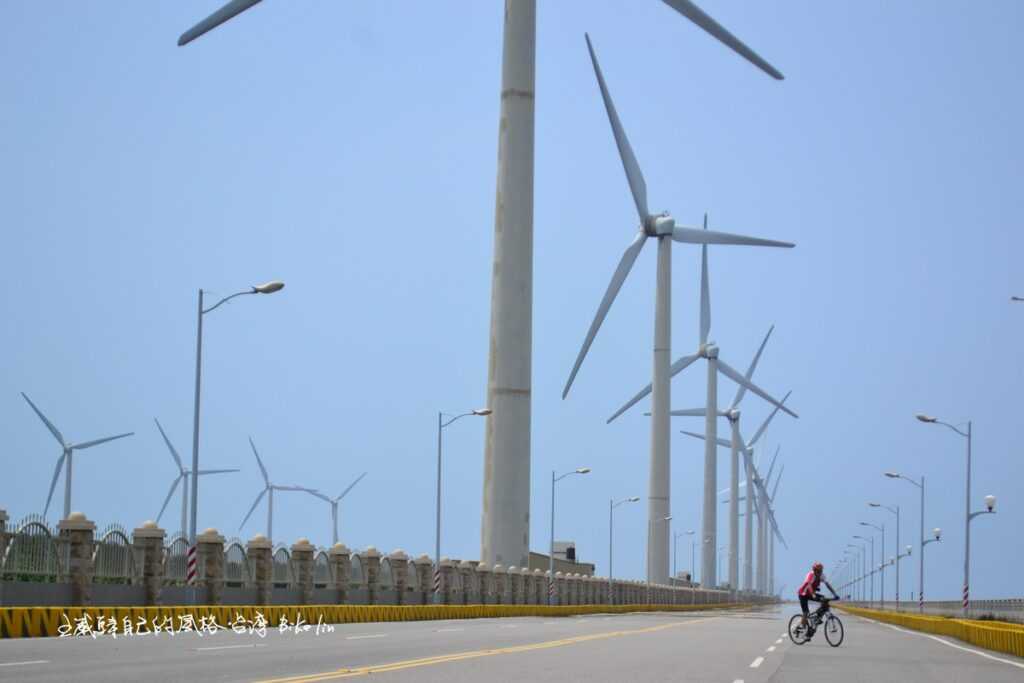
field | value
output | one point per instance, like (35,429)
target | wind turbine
(506,497)
(65,457)
(333,502)
(269,487)
(715,365)
(662,227)
(183,475)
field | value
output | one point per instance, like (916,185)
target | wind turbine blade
(697,236)
(771,467)
(764,425)
(170,493)
(731,373)
(721,442)
(705,295)
(53,483)
(97,442)
(699,17)
(350,487)
(266,477)
(202,472)
(319,495)
(673,370)
(775,489)
(742,390)
(633,174)
(254,504)
(625,264)
(49,425)
(174,453)
(231,9)
(689,412)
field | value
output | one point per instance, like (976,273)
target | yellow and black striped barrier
(1000,636)
(32,622)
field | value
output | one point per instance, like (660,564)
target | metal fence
(321,570)
(112,556)
(34,553)
(282,576)
(175,559)
(237,572)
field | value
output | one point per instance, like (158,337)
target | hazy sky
(348,148)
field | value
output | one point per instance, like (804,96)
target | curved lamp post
(266,288)
(896,511)
(922,542)
(871,574)
(612,504)
(968,516)
(551,550)
(441,424)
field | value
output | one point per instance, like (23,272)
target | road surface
(748,646)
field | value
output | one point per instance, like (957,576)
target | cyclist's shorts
(803,604)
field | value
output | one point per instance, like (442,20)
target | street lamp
(871,539)
(612,504)
(551,557)
(968,516)
(266,288)
(441,424)
(693,556)
(922,542)
(858,565)
(650,531)
(896,511)
(881,554)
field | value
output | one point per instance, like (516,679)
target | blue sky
(349,150)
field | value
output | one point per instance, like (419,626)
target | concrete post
(341,568)
(483,575)
(371,565)
(540,587)
(302,566)
(470,593)
(3,532)
(424,577)
(259,551)
(210,551)
(77,533)
(148,548)
(447,581)
(500,578)
(505,533)
(560,588)
(515,581)
(399,566)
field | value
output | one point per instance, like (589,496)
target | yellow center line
(459,656)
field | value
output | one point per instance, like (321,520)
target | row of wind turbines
(68,449)
(663,228)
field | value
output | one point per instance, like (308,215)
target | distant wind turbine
(182,478)
(65,457)
(333,502)
(268,488)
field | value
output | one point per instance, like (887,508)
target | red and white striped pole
(190,573)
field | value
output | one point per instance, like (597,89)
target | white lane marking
(229,647)
(779,641)
(33,661)
(756,663)
(510,626)
(448,630)
(784,635)
(958,647)
(771,649)
(371,635)
(738,680)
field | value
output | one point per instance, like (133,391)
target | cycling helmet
(818,566)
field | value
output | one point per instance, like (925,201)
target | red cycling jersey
(810,584)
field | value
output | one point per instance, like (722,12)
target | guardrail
(1011,609)
(991,635)
(32,622)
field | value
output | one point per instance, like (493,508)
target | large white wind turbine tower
(67,450)
(333,502)
(506,496)
(182,478)
(715,365)
(268,488)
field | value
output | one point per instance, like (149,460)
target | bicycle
(823,616)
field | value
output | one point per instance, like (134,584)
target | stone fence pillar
(483,575)
(537,597)
(340,563)
(261,564)
(210,555)
(447,581)
(148,548)
(469,593)
(425,579)
(399,566)
(371,565)
(302,566)
(77,532)
(500,580)
(515,580)
(3,532)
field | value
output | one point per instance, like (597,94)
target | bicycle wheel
(797,631)
(834,631)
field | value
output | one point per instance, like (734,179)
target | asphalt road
(747,646)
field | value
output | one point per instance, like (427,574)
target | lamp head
(925,418)
(582,470)
(634,499)
(910,549)
(690,532)
(875,505)
(893,475)
(990,503)
(482,411)
(667,519)
(269,287)
(938,533)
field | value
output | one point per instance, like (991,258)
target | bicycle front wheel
(797,630)
(834,631)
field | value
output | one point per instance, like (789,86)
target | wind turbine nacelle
(660,226)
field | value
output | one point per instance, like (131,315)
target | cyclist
(809,589)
